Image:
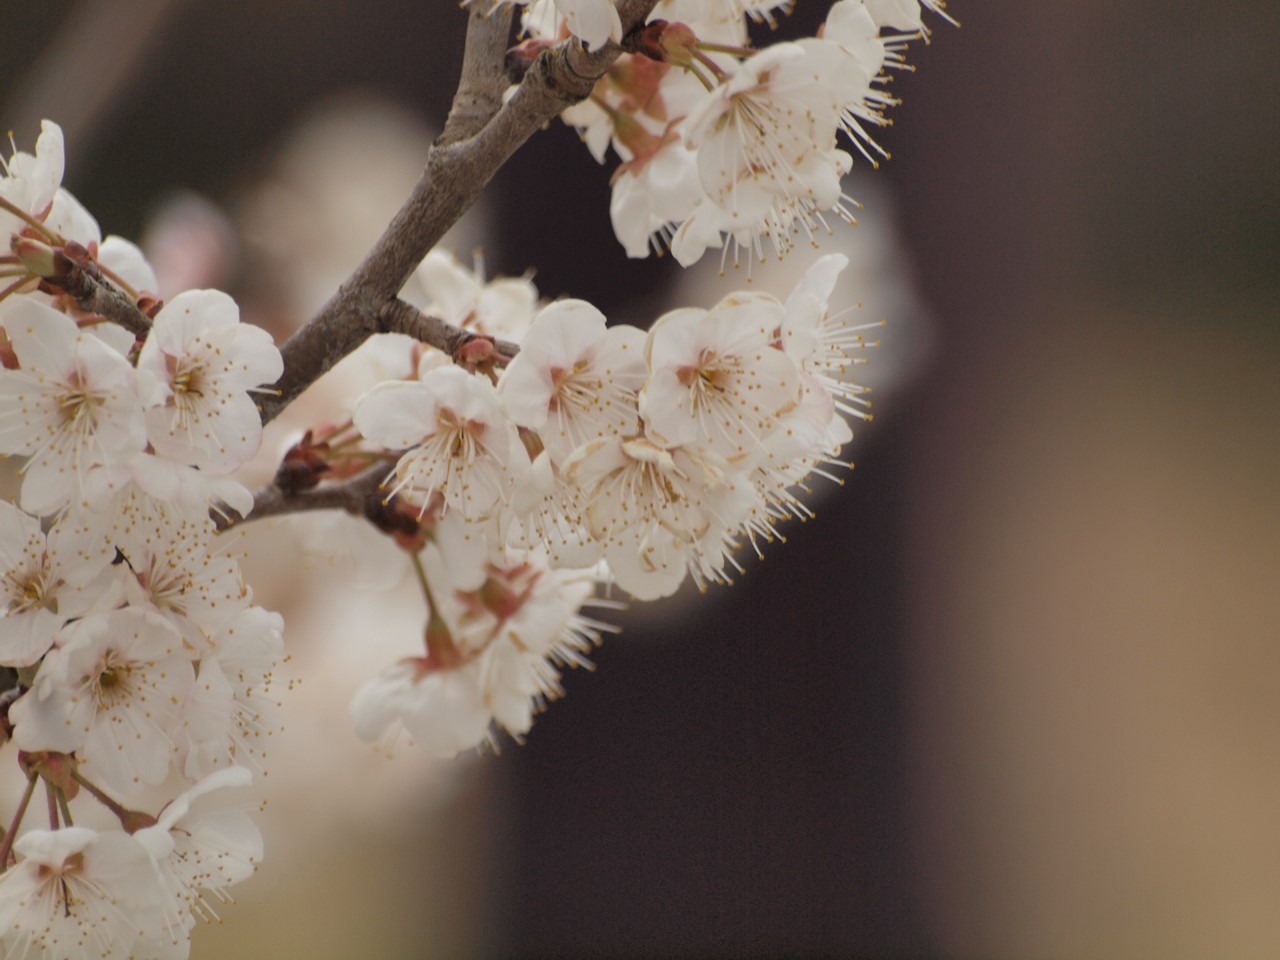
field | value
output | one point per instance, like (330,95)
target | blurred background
(1012,695)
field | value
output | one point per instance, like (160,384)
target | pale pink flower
(462,444)
(574,380)
(72,405)
(110,692)
(77,894)
(209,363)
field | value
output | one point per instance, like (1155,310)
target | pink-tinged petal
(396,414)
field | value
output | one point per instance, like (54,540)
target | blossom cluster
(145,669)
(599,454)
(721,140)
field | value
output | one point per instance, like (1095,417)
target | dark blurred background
(1013,693)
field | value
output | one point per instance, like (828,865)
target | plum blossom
(110,692)
(501,308)
(498,635)
(462,444)
(717,379)
(574,380)
(72,405)
(208,362)
(658,512)
(77,893)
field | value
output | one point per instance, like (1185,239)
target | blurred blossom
(191,244)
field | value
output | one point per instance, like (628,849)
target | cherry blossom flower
(110,692)
(201,847)
(233,708)
(45,581)
(172,570)
(574,380)
(208,363)
(72,404)
(463,445)
(30,181)
(76,893)
(717,379)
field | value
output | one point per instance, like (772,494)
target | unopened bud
(56,769)
(666,42)
(499,599)
(38,257)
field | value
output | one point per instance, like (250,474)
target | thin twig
(356,495)
(400,317)
(101,298)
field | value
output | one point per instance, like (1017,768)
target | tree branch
(95,296)
(455,175)
(400,317)
(483,78)
(352,495)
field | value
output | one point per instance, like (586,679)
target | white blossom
(76,894)
(717,380)
(463,445)
(208,363)
(30,181)
(44,582)
(71,406)
(501,308)
(110,692)
(201,847)
(233,708)
(574,380)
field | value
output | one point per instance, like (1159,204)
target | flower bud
(37,256)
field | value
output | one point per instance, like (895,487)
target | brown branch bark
(96,296)
(354,495)
(483,79)
(400,317)
(457,171)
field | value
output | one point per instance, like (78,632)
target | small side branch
(400,317)
(359,496)
(96,296)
